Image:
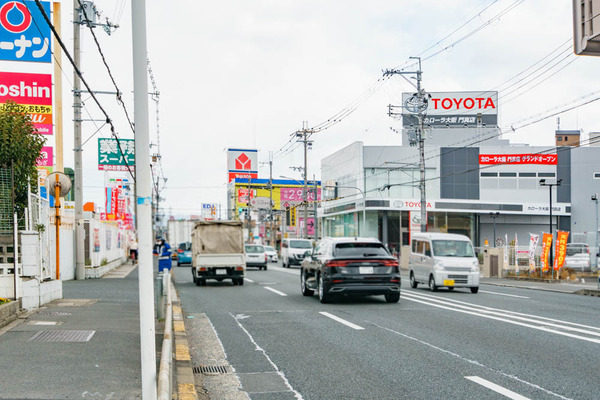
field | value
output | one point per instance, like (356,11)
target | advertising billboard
(113,158)
(242,164)
(456,109)
(539,159)
(24,33)
(33,93)
(286,193)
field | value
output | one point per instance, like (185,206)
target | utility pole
(78,156)
(417,105)
(272,241)
(303,138)
(315,197)
(143,200)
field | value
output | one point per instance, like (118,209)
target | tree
(20,146)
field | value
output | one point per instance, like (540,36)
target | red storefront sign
(540,159)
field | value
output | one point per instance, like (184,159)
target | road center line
(275,291)
(504,294)
(497,388)
(341,321)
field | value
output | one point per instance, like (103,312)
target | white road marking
(341,321)
(504,317)
(286,270)
(275,291)
(248,280)
(297,395)
(504,294)
(472,362)
(497,388)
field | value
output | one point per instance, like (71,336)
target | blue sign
(24,33)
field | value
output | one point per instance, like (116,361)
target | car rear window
(300,244)
(255,249)
(269,248)
(573,249)
(360,250)
(185,246)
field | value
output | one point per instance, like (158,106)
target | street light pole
(595,199)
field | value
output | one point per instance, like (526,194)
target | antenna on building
(558,123)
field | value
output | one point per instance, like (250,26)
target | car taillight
(390,263)
(180,251)
(336,263)
(265,257)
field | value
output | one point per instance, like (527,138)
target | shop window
(559,139)
(546,174)
(596,175)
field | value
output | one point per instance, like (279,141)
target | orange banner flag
(561,249)
(546,243)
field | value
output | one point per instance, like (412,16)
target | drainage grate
(212,369)
(62,336)
(54,313)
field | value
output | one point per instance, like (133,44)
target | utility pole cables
(417,106)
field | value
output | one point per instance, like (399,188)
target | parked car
(443,260)
(184,253)
(256,256)
(350,266)
(293,250)
(271,253)
(578,257)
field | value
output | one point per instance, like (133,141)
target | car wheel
(178,264)
(413,282)
(451,288)
(392,297)
(432,285)
(305,290)
(241,282)
(234,281)
(474,290)
(323,297)
(265,267)
(202,282)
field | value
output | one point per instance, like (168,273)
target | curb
(186,385)
(587,292)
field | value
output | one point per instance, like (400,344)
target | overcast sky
(247,73)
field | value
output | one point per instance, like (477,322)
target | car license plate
(365,270)
(448,282)
(221,272)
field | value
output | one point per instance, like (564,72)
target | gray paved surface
(105,367)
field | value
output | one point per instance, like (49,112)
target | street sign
(292,216)
(116,156)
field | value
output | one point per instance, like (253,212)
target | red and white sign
(46,157)
(33,93)
(539,159)
(293,194)
(242,175)
(243,195)
(242,161)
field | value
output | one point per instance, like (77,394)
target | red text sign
(541,159)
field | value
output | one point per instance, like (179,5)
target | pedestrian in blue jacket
(163,251)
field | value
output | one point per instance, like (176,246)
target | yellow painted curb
(187,391)
(182,353)
(176,310)
(178,326)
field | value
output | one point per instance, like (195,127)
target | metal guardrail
(165,372)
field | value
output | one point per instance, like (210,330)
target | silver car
(578,257)
(271,253)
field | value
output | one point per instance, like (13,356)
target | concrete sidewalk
(86,345)
(587,287)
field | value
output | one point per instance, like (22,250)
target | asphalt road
(500,343)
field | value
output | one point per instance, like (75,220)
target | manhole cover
(62,336)
(212,369)
(55,313)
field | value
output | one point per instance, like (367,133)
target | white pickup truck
(218,252)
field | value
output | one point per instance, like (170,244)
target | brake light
(394,280)
(336,263)
(180,251)
(202,269)
(239,268)
(390,263)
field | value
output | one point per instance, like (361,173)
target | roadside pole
(143,182)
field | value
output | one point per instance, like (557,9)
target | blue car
(184,253)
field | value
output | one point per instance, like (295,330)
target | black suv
(352,266)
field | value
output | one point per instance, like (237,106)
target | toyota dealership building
(476,182)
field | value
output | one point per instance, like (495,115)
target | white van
(443,260)
(292,251)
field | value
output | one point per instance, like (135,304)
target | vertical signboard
(24,33)
(533,242)
(33,94)
(561,249)
(242,163)
(546,243)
